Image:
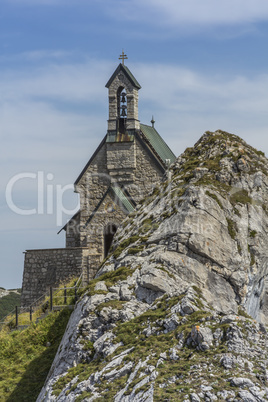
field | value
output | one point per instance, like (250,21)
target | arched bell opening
(108,235)
(121,110)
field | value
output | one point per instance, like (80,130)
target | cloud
(184,12)
(186,103)
(59,81)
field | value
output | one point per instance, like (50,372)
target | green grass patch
(110,279)
(124,244)
(212,195)
(243,313)
(252,233)
(166,271)
(88,346)
(241,197)
(237,212)
(135,250)
(232,229)
(25,359)
(114,304)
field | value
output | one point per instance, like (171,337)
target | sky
(202,66)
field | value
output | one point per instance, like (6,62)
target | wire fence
(54,299)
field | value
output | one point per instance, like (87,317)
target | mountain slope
(165,319)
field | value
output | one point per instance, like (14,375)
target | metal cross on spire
(123,57)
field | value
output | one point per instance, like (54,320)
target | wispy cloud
(192,102)
(199,12)
(210,11)
(188,15)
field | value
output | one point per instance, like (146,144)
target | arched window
(109,232)
(121,109)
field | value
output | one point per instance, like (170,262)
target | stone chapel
(130,160)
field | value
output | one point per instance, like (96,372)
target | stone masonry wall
(138,181)
(92,186)
(95,229)
(147,174)
(73,232)
(49,267)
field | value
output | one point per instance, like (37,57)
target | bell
(123,97)
(123,113)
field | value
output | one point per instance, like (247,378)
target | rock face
(166,318)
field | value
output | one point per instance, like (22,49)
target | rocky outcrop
(178,310)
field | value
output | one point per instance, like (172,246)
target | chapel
(129,161)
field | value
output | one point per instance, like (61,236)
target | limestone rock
(186,318)
(241,382)
(202,338)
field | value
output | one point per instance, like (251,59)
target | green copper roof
(122,198)
(127,72)
(157,143)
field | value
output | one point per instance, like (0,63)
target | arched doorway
(108,235)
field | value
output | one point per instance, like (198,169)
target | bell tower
(123,102)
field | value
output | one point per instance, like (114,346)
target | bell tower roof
(122,68)
(123,98)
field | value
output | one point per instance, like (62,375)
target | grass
(212,195)
(252,233)
(166,271)
(240,197)
(124,244)
(232,229)
(58,299)
(135,250)
(243,313)
(114,304)
(25,358)
(110,279)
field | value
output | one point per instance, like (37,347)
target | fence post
(17,317)
(51,298)
(31,312)
(75,293)
(65,295)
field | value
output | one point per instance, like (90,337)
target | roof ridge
(128,73)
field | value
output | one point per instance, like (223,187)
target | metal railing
(54,299)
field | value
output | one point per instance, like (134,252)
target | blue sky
(202,66)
